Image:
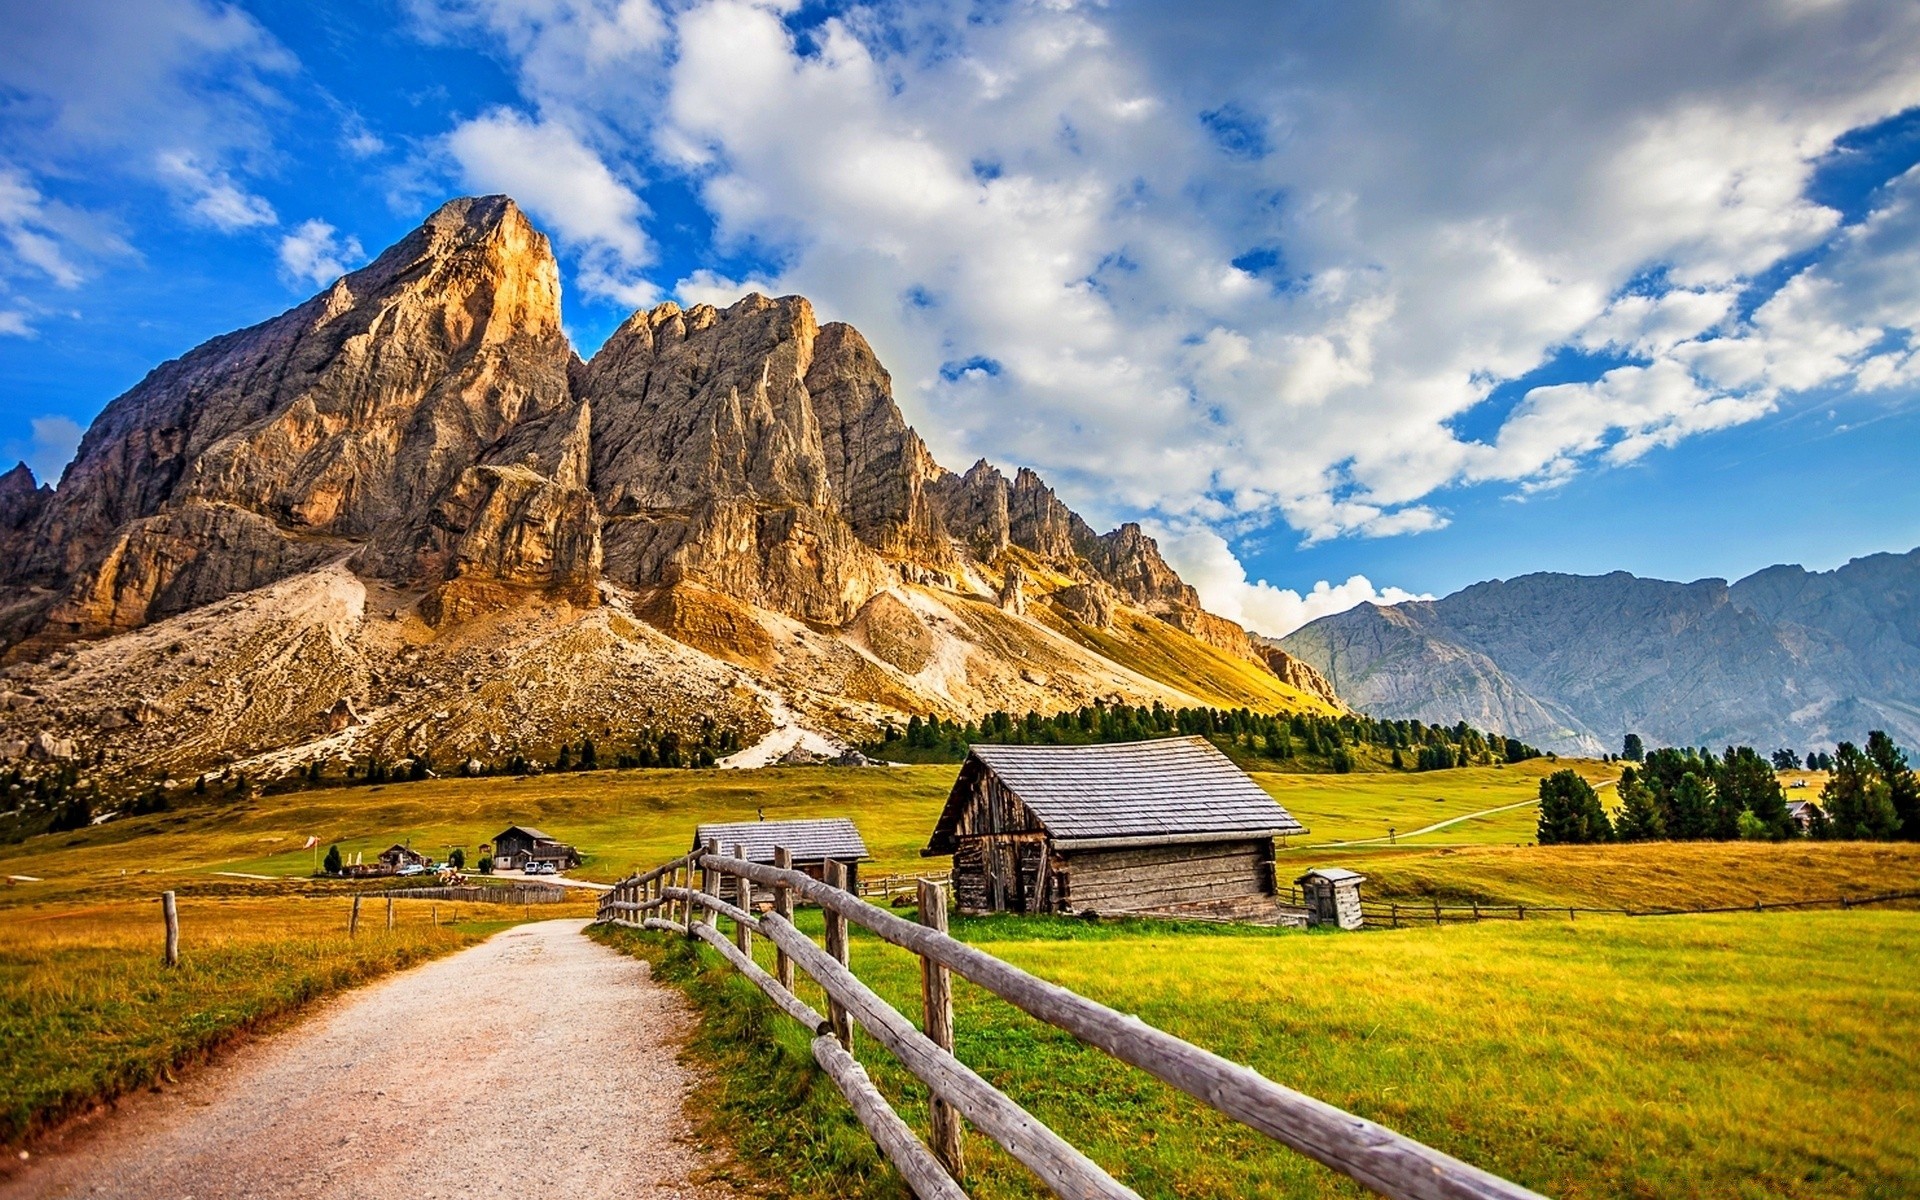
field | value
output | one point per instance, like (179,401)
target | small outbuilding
(517,845)
(813,843)
(1332,896)
(1802,812)
(1168,825)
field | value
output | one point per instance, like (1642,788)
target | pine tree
(1903,788)
(1639,819)
(1858,801)
(1690,811)
(1633,749)
(1570,812)
(332,862)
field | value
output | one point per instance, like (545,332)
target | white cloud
(1223,278)
(55,439)
(563,182)
(1205,560)
(14,323)
(315,254)
(211,195)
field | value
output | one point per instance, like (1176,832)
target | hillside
(1784,657)
(405,518)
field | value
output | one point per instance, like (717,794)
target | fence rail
(480,893)
(1394,914)
(666,899)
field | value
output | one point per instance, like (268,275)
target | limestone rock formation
(416,478)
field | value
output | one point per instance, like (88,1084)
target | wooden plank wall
(1147,877)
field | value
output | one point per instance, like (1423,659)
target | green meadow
(1732,1056)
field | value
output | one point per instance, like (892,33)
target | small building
(517,845)
(396,856)
(1802,811)
(813,843)
(1168,825)
(1332,896)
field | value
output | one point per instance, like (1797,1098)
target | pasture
(1741,1055)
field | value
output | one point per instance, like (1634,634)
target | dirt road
(495,1072)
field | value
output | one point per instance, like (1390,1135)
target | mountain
(406,518)
(1784,657)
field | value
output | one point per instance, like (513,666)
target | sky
(1342,302)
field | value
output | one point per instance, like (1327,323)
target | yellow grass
(88,1010)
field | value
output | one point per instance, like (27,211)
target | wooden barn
(517,845)
(813,843)
(1158,826)
(396,856)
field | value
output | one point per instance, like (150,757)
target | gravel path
(493,1072)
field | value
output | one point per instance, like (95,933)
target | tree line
(1692,795)
(1409,745)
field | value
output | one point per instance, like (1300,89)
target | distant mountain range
(1785,657)
(406,518)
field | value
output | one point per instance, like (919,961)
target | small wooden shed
(1332,896)
(396,856)
(1125,827)
(813,843)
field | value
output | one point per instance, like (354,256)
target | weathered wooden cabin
(396,856)
(517,845)
(1332,896)
(1163,825)
(813,843)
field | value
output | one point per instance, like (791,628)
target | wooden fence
(887,887)
(1395,914)
(683,897)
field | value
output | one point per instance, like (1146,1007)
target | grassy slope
(1160,651)
(1338,808)
(87,1012)
(1730,1056)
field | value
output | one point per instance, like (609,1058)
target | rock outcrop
(421,437)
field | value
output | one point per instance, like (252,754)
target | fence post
(936,1001)
(1476,912)
(1569,914)
(1436,910)
(1396,916)
(353,918)
(389,912)
(435,910)
(743,896)
(1523,912)
(170,913)
(710,884)
(836,877)
(783,908)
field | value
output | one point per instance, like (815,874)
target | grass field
(87,1011)
(628,819)
(1738,1056)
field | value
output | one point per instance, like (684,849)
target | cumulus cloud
(315,254)
(210,195)
(1204,559)
(550,170)
(15,323)
(1273,274)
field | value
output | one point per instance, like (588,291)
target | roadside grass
(88,1013)
(1638,876)
(1744,1055)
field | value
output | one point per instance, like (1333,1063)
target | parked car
(411,869)
(541,868)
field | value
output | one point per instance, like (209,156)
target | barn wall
(1000,860)
(1146,877)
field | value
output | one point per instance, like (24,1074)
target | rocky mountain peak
(424,425)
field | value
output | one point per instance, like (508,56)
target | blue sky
(1425,294)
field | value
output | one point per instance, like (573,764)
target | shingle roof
(529,830)
(820,838)
(1332,875)
(1168,787)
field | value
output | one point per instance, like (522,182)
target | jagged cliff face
(1785,657)
(738,484)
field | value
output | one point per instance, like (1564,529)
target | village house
(1801,812)
(396,856)
(1163,826)
(813,843)
(517,845)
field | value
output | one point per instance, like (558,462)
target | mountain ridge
(415,472)
(1782,657)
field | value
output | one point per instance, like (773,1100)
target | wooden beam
(909,1156)
(936,1002)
